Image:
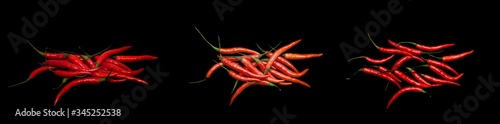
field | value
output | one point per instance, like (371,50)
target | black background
(166,29)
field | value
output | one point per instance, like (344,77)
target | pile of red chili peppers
(265,68)
(80,69)
(417,81)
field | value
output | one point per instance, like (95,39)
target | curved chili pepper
(232,50)
(284,61)
(69,74)
(418,77)
(247,63)
(403,91)
(372,60)
(116,68)
(443,74)
(111,80)
(288,78)
(117,63)
(77,60)
(133,58)
(429,48)
(454,57)
(64,64)
(59,56)
(413,51)
(408,79)
(278,52)
(235,66)
(239,77)
(77,82)
(439,81)
(285,70)
(298,56)
(210,72)
(402,60)
(377,73)
(389,50)
(33,74)
(245,86)
(109,53)
(441,64)
(130,78)
(386,71)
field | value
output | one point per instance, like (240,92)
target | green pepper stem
(359,57)
(376,46)
(203,80)
(359,70)
(407,42)
(33,46)
(234,87)
(215,48)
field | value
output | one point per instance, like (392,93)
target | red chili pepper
(284,61)
(439,81)
(409,79)
(405,90)
(386,71)
(111,80)
(418,77)
(236,66)
(389,50)
(441,64)
(109,53)
(63,64)
(239,77)
(377,73)
(429,48)
(34,73)
(298,56)
(130,78)
(402,60)
(454,57)
(285,70)
(278,52)
(59,56)
(133,58)
(114,62)
(416,52)
(77,82)
(404,48)
(232,50)
(443,74)
(245,86)
(288,78)
(69,74)
(247,63)
(372,60)
(77,60)
(103,74)
(115,68)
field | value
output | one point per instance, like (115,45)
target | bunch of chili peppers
(83,69)
(265,68)
(443,74)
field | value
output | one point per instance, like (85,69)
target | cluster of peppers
(80,69)
(265,68)
(418,81)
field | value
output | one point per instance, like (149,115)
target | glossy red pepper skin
(415,52)
(404,90)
